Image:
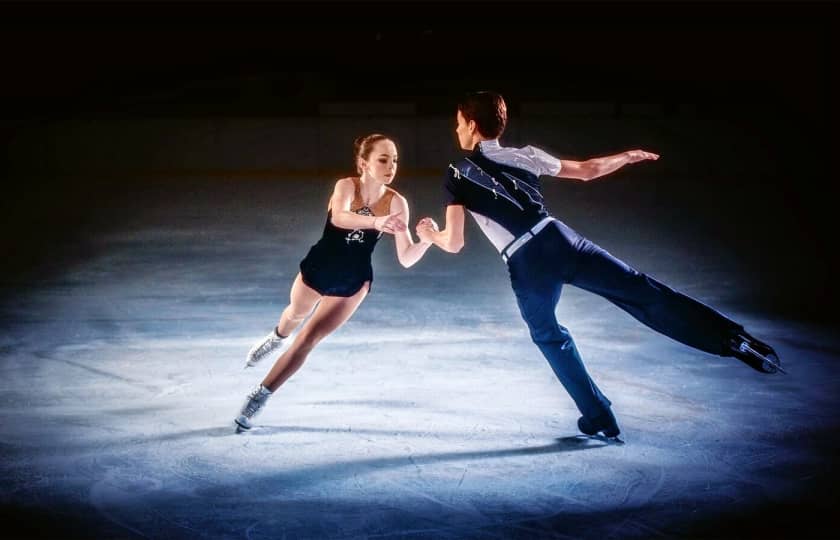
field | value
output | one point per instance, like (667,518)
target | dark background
(739,97)
(198,57)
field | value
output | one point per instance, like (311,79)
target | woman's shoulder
(395,195)
(348,182)
(391,192)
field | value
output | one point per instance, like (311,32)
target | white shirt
(530,158)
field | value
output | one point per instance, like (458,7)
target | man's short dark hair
(488,110)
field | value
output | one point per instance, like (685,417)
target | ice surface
(430,414)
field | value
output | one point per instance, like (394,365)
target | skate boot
(604,423)
(756,354)
(270,343)
(255,402)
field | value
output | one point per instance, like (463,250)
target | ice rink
(430,414)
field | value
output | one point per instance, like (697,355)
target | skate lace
(255,403)
(267,346)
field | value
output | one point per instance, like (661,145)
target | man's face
(465,131)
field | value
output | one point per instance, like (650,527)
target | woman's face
(381,165)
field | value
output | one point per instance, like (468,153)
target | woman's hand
(390,224)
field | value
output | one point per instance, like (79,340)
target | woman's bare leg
(302,300)
(330,314)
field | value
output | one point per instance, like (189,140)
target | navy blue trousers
(558,255)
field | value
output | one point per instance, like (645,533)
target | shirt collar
(491,144)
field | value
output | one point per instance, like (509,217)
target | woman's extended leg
(302,300)
(331,313)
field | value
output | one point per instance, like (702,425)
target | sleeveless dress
(339,264)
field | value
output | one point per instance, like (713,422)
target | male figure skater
(500,187)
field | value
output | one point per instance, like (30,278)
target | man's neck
(478,141)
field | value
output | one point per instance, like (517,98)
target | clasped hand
(425,228)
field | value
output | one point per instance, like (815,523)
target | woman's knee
(295,313)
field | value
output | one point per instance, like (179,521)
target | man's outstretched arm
(597,167)
(451,238)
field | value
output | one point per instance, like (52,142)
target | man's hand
(424,228)
(428,222)
(634,156)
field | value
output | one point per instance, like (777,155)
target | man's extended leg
(667,311)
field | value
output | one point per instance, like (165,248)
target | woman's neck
(370,189)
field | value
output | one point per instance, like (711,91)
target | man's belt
(511,248)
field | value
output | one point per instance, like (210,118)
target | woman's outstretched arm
(408,252)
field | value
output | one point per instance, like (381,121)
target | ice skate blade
(617,440)
(612,441)
(777,367)
(766,360)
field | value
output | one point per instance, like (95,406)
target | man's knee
(551,333)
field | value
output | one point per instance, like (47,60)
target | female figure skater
(336,274)
(500,187)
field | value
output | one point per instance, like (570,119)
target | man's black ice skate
(756,354)
(604,423)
